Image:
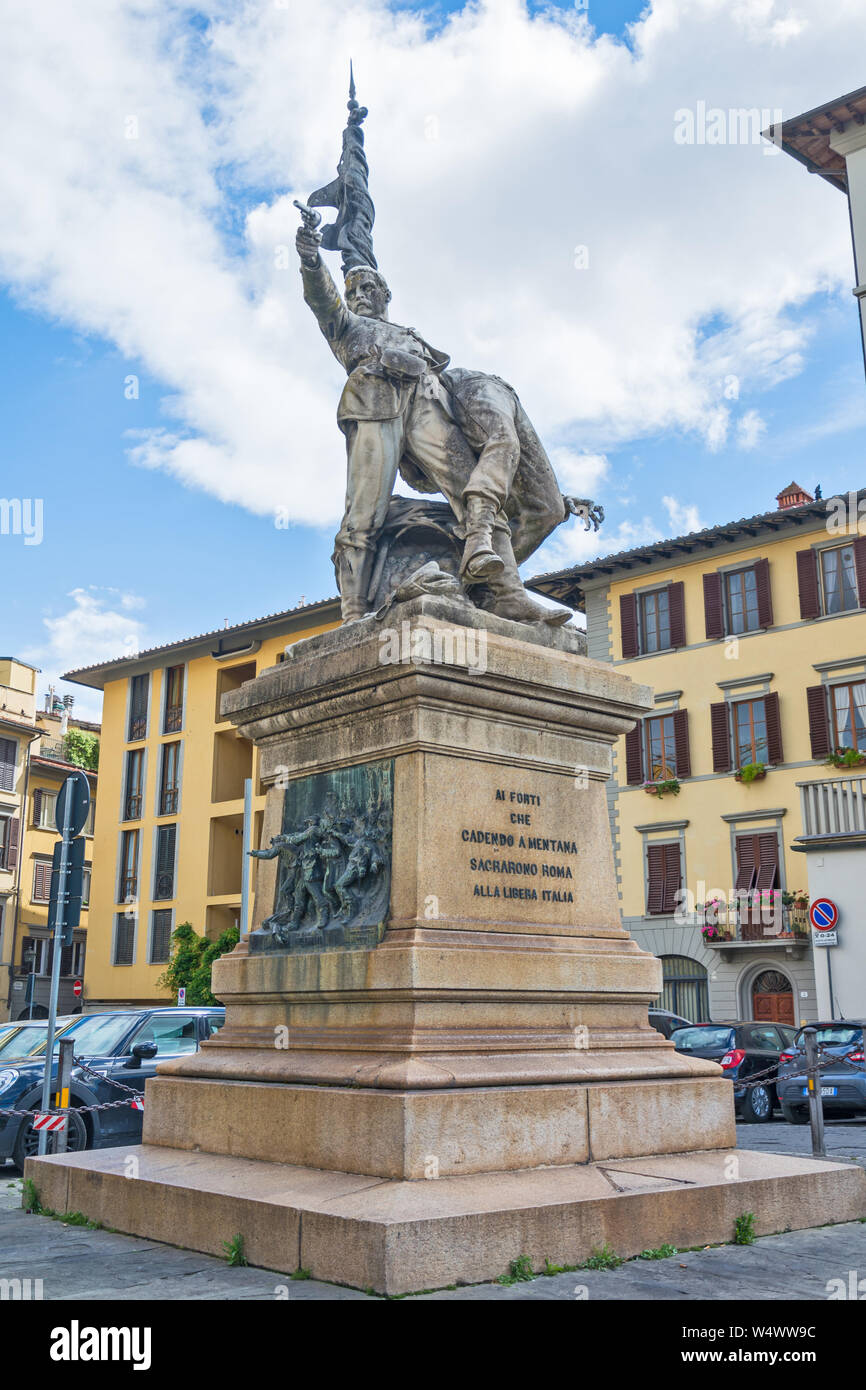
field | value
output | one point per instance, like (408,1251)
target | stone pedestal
(491,1056)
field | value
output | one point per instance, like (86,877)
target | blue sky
(143,554)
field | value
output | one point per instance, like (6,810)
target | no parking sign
(824,916)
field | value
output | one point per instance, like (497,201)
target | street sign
(181,996)
(77,988)
(67,895)
(824,915)
(75,790)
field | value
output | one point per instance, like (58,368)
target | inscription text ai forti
(522,806)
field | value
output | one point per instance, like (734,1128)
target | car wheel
(758,1105)
(795,1114)
(27,1143)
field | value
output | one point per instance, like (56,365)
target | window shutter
(765,597)
(628,625)
(13,836)
(37,806)
(807,580)
(768,860)
(655,859)
(8,758)
(677,609)
(860,568)
(819,722)
(124,940)
(721,737)
(633,756)
(713,615)
(681,743)
(673,876)
(747,869)
(774,728)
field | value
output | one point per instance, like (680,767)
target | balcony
(53,748)
(833,808)
(756,921)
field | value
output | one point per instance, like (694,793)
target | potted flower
(751,772)
(665,784)
(846,757)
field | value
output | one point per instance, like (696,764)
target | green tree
(192,959)
(82,749)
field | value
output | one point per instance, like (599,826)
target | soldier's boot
(507,596)
(353,565)
(480,561)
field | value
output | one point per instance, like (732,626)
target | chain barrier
(776,1071)
(137,1097)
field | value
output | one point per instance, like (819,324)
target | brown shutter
(681,743)
(14,834)
(765,597)
(655,860)
(628,625)
(37,806)
(747,867)
(677,609)
(673,876)
(807,580)
(819,722)
(768,860)
(721,737)
(633,758)
(713,616)
(774,728)
(860,568)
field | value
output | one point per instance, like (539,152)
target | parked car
(125,1046)
(842,1084)
(742,1050)
(665,1022)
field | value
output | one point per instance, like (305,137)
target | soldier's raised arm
(320,292)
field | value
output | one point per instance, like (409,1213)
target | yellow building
(170,836)
(752,636)
(35,749)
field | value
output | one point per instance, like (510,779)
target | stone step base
(401,1237)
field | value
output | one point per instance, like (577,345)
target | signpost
(64,906)
(77,988)
(824,916)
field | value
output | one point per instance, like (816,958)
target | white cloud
(496,146)
(751,429)
(683,517)
(98,626)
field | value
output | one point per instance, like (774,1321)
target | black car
(125,1045)
(665,1022)
(842,1083)
(742,1050)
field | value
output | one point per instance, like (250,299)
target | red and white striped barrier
(52,1124)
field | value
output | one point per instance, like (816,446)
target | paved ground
(77,1264)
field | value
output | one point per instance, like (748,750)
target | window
(38,954)
(757,859)
(660,749)
(41,880)
(741,601)
(173,717)
(160,936)
(124,940)
(848,708)
(750,732)
(738,601)
(44,805)
(685,988)
(664,877)
(163,884)
(91,817)
(128,886)
(169,780)
(10,828)
(86,876)
(133,803)
(8,761)
(174,1035)
(838,579)
(138,692)
(652,621)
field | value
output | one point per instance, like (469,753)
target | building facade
(169,839)
(753,638)
(36,752)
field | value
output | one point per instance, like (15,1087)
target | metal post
(61,1098)
(55,964)
(247,846)
(816,1108)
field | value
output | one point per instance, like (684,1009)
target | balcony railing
(168,801)
(53,748)
(757,921)
(133,806)
(173,719)
(833,806)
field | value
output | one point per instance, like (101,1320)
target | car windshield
(21,1042)
(690,1039)
(96,1035)
(835,1035)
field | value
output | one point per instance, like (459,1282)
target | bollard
(61,1098)
(816,1108)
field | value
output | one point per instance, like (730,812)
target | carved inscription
(523,861)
